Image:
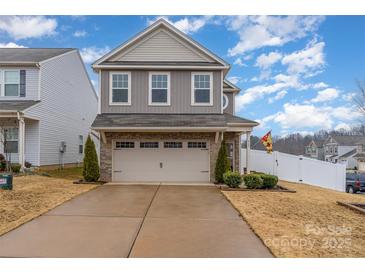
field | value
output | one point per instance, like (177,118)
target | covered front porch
(19,138)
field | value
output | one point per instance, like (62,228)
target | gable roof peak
(167,26)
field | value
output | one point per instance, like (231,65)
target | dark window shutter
(22,83)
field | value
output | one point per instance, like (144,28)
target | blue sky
(297,73)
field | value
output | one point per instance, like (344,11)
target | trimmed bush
(222,164)
(90,170)
(15,168)
(253,181)
(269,181)
(232,179)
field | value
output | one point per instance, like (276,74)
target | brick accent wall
(106,148)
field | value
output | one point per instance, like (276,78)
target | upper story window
(159,88)
(10,85)
(202,89)
(120,88)
(225,101)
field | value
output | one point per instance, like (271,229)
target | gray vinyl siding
(67,108)
(230,107)
(31,83)
(161,45)
(180,83)
(32,142)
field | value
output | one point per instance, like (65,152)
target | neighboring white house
(335,149)
(47,104)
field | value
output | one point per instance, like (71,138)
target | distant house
(315,150)
(360,155)
(336,149)
(47,105)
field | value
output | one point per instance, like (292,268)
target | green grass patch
(72,173)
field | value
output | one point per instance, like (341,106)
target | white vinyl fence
(297,169)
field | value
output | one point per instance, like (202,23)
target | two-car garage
(160,161)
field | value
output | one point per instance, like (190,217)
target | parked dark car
(355,182)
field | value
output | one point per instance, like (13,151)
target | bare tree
(359,100)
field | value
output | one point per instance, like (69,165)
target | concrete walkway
(138,221)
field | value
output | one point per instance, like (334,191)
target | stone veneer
(106,148)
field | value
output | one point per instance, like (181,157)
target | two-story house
(341,149)
(164,108)
(47,104)
(314,150)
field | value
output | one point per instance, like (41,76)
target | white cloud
(187,25)
(257,92)
(343,126)
(261,31)
(79,33)
(325,95)
(22,27)
(307,62)
(280,95)
(11,45)
(234,79)
(320,85)
(239,62)
(91,54)
(349,96)
(297,116)
(265,61)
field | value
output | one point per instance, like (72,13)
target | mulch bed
(278,188)
(82,182)
(360,208)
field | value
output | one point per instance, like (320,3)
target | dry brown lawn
(32,196)
(307,223)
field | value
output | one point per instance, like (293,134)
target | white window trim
(2,83)
(193,89)
(111,103)
(227,101)
(150,103)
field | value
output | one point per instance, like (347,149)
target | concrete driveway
(138,221)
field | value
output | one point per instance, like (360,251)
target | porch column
(21,142)
(248,151)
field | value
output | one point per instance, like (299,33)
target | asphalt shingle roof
(167,120)
(349,153)
(30,55)
(18,105)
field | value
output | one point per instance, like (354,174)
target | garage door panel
(161,164)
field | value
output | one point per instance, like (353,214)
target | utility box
(6,181)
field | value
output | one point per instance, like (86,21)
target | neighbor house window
(159,88)
(202,88)
(11,137)
(11,82)
(120,88)
(81,144)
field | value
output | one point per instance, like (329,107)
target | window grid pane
(197,145)
(124,144)
(148,145)
(120,95)
(12,77)
(159,88)
(172,144)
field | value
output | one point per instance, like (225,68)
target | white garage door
(161,161)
